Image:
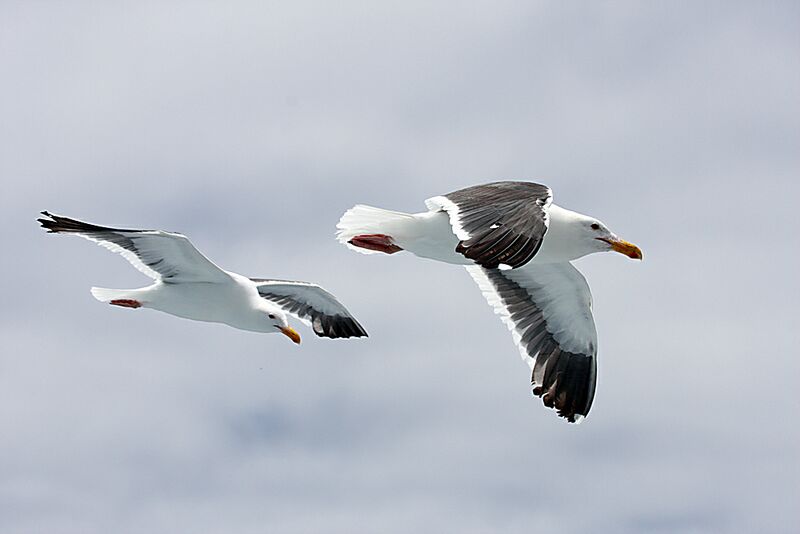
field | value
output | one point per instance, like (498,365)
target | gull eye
(271,316)
(595,226)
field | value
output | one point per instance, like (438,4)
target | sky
(252,126)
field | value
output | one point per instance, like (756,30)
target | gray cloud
(252,127)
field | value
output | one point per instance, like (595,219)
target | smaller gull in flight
(189,285)
(518,247)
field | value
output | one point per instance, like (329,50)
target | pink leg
(378,242)
(126,303)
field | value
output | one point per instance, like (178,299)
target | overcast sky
(251,126)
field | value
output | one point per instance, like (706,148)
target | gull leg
(126,303)
(378,242)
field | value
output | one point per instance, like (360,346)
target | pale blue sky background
(251,126)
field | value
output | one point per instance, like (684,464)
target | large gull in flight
(189,285)
(517,245)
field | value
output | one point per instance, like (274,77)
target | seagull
(517,245)
(189,285)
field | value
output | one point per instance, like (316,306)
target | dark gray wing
(548,309)
(160,255)
(313,305)
(500,224)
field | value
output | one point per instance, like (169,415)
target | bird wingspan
(164,256)
(500,224)
(313,305)
(548,310)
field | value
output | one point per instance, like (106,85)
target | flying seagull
(517,245)
(189,285)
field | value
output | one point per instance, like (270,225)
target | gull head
(277,322)
(599,238)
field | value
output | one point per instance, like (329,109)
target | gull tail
(369,230)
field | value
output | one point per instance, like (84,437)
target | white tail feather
(362,219)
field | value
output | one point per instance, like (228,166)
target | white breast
(210,302)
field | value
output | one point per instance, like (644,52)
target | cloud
(252,127)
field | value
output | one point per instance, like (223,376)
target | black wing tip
(339,327)
(50,222)
(571,391)
(564,410)
(60,224)
(344,336)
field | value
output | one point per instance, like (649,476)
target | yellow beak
(623,247)
(291,333)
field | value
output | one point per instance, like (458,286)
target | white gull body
(517,246)
(234,302)
(188,285)
(429,234)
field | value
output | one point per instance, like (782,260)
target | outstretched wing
(163,256)
(500,224)
(313,305)
(548,309)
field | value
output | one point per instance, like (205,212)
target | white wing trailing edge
(548,310)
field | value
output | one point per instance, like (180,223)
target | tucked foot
(126,303)
(377,242)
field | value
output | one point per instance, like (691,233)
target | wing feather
(313,305)
(548,310)
(500,224)
(164,256)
